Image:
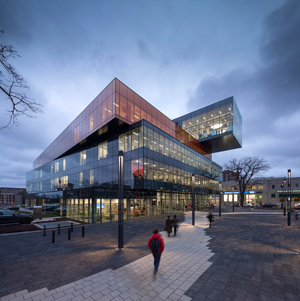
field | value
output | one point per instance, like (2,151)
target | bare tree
(12,85)
(244,170)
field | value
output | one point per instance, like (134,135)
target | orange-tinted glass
(109,107)
(130,111)
(104,111)
(123,107)
(143,115)
(137,113)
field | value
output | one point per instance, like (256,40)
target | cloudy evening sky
(178,55)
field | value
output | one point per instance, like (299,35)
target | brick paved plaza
(244,256)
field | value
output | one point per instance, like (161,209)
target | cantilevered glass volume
(77,175)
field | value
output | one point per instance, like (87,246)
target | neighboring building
(78,172)
(263,190)
(11,196)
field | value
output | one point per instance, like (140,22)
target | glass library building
(77,174)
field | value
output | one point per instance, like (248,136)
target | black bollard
(69,233)
(283,211)
(58,229)
(82,231)
(45,230)
(289,219)
(53,236)
(71,227)
(219,210)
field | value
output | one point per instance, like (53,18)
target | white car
(247,205)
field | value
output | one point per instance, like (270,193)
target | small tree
(244,170)
(12,85)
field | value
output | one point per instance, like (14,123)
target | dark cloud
(268,97)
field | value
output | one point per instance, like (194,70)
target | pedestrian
(156,245)
(210,218)
(168,226)
(175,223)
(213,206)
(185,208)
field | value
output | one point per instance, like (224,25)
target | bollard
(58,229)
(69,233)
(44,230)
(82,231)
(289,219)
(53,236)
(283,211)
(71,227)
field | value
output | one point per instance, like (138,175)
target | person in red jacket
(156,245)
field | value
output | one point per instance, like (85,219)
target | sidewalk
(184,260)
(253,256)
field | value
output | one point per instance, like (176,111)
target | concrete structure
(11,196)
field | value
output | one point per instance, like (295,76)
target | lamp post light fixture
(232,198)
(220,198)
(120,204)
(289,197)
(193,199)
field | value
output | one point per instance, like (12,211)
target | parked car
(7,217)
(247,205)
(270,205)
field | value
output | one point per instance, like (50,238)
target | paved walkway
(184,260)
(244,256)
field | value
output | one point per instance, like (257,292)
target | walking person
(175,223)
(156,245)
(168,226)
(210,218)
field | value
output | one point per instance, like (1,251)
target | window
(56,167)
(296,185)
(226,178)
(64,164)
(91,177)
(64,182)
(82,157)
(102,150)
(229,188)
(224,188)
(91,121)
(273,186)
(260,186)
(80,178)
(253,186)
(51,169)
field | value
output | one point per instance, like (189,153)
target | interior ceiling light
(217,126)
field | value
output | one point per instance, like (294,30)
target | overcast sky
(178,55)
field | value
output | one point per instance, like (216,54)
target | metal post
(69,233)
(120,204)
(289,198)
(232,198)
(53,236)
(71,227)
(193,199)
(284,211)
(58,229)
(45,230)
(82,231)
(220,198)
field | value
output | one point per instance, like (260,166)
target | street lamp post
(232,198)
(120,204)
(193,199)
(220,198)
(289,198)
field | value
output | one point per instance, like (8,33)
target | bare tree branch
(244,170)
(12,85)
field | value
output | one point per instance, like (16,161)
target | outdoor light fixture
(193,199)
(120,204)
(289,197)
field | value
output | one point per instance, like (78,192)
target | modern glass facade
(213,122)
(159,160)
